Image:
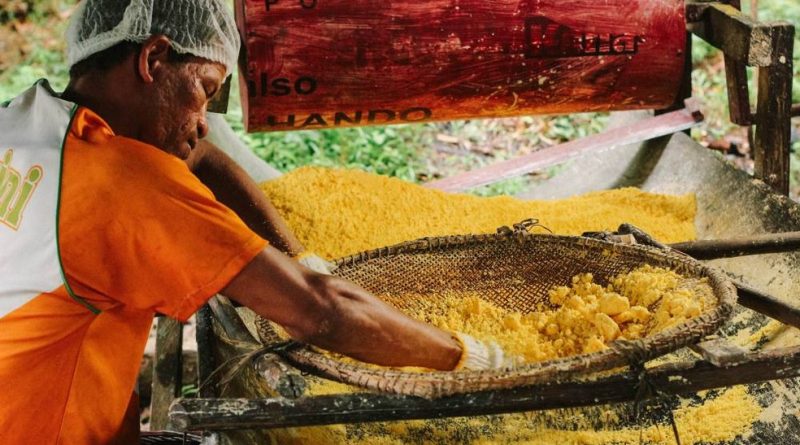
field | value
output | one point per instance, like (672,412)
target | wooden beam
(166,371)
(736,34)
(280,376)
(773,113)
(720,352)
(678,378)
(204,332)
(639,131)
(768,305)
(189,373)
(738,88)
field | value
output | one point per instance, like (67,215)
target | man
(104,224)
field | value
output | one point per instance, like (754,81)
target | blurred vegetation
(31,47)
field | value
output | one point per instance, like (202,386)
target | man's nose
(202,127)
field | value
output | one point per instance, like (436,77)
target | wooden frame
(767,47)
(231,414)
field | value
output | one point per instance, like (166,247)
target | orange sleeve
(138,228)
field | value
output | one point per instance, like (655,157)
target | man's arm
(339,316)
(233,187)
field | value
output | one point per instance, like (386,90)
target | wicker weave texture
(515,271)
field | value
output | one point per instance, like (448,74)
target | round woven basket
(514,270)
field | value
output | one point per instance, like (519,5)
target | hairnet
(203,28)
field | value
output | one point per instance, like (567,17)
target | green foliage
(42,63)
(43,56)
(789,11)
(390,150)
(383,150)
(702,51)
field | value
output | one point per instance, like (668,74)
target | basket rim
(621,352)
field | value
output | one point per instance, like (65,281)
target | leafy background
(31,47)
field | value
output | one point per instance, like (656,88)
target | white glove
(477,355)
(315,263)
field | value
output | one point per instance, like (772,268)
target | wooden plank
(736,34)
(639,131)
(738,89)
(772,148)
(166,371)
(696,12)
(205,352)
(686,377)
(720,352)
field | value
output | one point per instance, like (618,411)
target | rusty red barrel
(337,63)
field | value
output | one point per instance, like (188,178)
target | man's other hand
(479,356)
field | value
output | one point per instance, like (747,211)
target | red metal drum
(338,63)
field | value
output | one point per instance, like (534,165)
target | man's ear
(153,56)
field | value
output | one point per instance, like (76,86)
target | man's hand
(338,315)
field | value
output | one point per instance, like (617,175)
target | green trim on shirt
(72,294)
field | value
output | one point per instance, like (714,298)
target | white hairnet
(203,28)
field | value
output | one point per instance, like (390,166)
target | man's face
(179,98)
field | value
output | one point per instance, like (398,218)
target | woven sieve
(514,270)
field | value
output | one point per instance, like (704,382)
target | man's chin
(181,151)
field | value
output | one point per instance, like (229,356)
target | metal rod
(754,245)
(640,131)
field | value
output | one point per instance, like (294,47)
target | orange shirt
(138,234)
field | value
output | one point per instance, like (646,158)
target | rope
(243,360)
(636,354)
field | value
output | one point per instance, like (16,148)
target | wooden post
(205,352)
(738,89)
(773,112)
(166,371)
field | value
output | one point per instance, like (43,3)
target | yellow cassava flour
(340,212)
